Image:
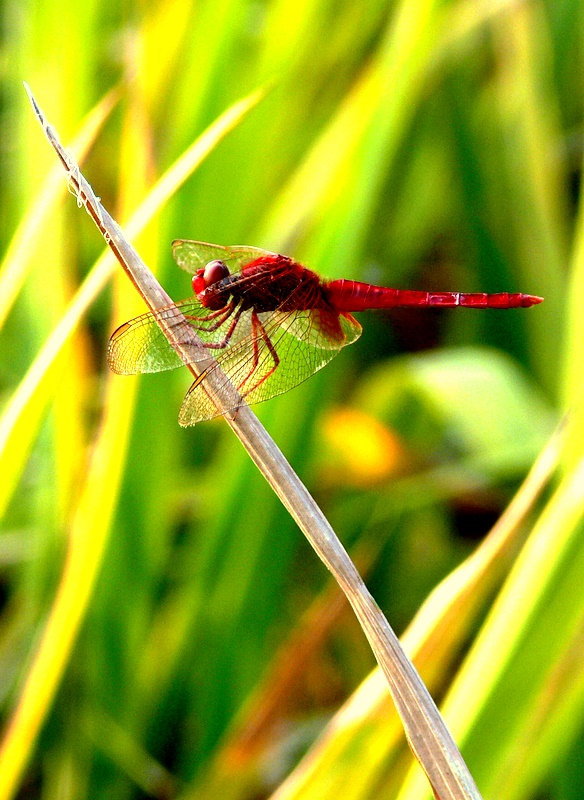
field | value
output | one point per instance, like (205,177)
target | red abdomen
(346,295)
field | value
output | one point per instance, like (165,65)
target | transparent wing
(282,350)
(260,354)
(140,345)
(192,255)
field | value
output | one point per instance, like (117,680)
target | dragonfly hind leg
(259,334)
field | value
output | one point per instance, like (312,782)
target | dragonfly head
(205,278)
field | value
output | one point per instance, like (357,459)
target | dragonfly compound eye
(214,271)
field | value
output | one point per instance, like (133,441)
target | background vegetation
(165,630)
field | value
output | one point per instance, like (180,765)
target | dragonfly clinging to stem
(267,321)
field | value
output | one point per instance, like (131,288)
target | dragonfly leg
(259,331)
(255,323)
(220,316)
(227,338)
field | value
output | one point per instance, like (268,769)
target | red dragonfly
(268,321)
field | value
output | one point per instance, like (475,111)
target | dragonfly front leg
(230,331)
(219,317)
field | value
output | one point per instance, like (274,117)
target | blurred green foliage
(422,144)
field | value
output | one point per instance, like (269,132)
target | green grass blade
(20,419)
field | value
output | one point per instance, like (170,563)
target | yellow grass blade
(16,262)
(86,544)
(367,728)
(21,417)
(514,613)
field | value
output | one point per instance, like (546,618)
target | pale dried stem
(427,734)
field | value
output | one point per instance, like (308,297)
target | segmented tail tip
(531,300)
